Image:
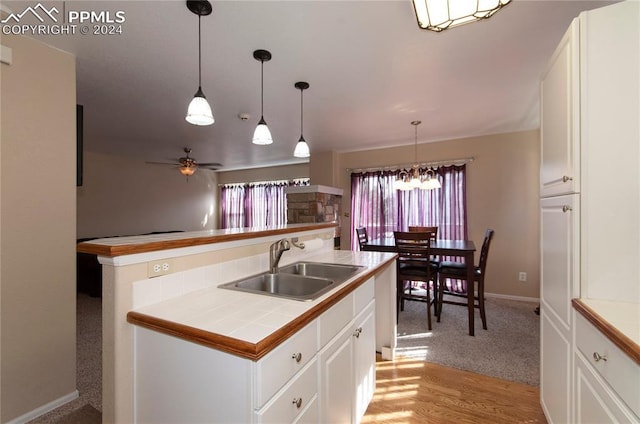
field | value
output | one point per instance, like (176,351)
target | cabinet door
(336,379)
(560,119)
(559,262)
(595,402)
(610,157)
(364,351)
(555,370)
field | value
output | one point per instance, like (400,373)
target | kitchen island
(164,282)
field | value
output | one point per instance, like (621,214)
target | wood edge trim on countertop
(627,345)
(252,351)
(153,246)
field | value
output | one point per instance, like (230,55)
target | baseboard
(45,408)
(509,297)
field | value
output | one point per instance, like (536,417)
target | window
(260,204)
(381,209)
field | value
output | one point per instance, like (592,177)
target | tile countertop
(247,324)
(619,321)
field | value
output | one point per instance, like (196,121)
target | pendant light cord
(199,53)
(301,115)
(415,145)
(262,87)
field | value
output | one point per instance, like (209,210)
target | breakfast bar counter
(150,280)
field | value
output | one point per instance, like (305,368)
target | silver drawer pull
(597,357)
(297,356)
(566,178)
(297,402)
(566,208)
(357,332)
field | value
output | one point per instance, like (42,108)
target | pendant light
(199,111)
(302,148)
(262,135)
(438,15)
(407,181)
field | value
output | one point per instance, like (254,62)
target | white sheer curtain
(262,204)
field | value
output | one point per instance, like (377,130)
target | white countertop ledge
(251,317)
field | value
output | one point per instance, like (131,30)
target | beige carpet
(509,349)
(88,365)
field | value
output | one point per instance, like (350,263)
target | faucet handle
(296,243)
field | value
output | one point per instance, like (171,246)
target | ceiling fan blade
(208,164)
(164,163)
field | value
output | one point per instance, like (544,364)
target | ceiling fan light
(199,111)
(188,170)
(262,135)
(302,149)
(438,15)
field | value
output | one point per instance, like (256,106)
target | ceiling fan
(188,165)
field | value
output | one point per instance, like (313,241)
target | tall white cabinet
(589,186)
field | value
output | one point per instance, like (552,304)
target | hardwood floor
(414,391)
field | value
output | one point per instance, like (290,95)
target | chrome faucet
(275,253)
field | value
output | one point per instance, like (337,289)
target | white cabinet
(560,283)
(590,189)
(347,371)
(560,125)
(607,388)
(323,373)
(364,358)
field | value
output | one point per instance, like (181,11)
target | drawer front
(618,370)
(275,369)
(292,403)
(334,320)
(595,401)
(363,295)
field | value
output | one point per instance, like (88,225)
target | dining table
(458,248)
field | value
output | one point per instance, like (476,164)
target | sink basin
(287,285)
(300,281)
(336,272)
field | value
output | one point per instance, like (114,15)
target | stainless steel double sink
(303,281)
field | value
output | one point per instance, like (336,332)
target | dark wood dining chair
(458,271)
(435,261)
(362,236)
(413,265)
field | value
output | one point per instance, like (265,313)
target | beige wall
(122,196)
(38,224)
(502,193)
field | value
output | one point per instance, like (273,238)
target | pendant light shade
(199,111)
(302,148)
(262,135)
(438,15)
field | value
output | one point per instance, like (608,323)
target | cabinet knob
(357,332)
(566,208)
(297,402)
(597,357)
(297,356)
(566,178)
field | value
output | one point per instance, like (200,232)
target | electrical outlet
(522,276)
(158,268)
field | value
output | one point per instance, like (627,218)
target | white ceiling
(370,68)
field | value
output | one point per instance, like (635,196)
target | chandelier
(438,15)
(413,179)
